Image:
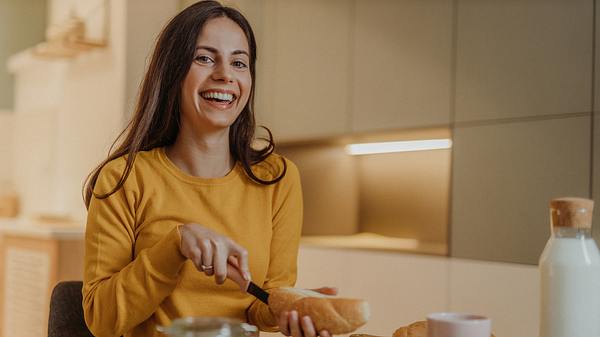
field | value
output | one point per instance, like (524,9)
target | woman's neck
(205,155)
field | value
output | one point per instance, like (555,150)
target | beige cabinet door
(506,292)
(504,175)
(400,288)
(401,64)
(523,58)
(303,71)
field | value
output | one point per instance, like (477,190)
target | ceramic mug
(451,324)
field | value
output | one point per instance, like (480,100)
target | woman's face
(217,86)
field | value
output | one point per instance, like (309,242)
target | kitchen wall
(6,146)
(404,288)
(403,195)
(330,187)
(17,34)
(512,80)
(80,104)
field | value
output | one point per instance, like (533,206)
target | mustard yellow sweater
(135,277)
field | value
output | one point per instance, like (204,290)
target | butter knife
(250,287)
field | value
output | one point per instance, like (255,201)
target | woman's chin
(220,124)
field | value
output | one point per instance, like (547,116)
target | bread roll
(416,329)
(336,315)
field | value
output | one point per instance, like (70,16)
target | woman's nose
(223,73)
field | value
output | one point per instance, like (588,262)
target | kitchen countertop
(364,241)
(41,229)
(372,241)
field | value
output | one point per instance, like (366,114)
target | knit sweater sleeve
(287,225)
(121,291)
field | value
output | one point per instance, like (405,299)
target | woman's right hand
(290,324)
(211,253)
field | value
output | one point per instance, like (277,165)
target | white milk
(570,288)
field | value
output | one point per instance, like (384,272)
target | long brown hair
(155,122)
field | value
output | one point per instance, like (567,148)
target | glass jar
(208,327)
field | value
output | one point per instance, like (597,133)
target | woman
(185,196)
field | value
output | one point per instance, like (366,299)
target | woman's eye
(203,59)
(239,64)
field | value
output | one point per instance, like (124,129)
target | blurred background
(510,87)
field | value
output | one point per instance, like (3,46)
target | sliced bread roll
(336,315)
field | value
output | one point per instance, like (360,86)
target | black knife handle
(258,292)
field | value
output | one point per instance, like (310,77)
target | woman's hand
(211,253)
(292,325)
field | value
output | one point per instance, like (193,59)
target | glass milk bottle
(570,272)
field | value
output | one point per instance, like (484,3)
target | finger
(234,274)
(307,327)
(284,326)
(232,260)
(220,261)
(207,256)
(186,243)
(196,257)
(294,324)
(235,265)
(242,258)
(324,333)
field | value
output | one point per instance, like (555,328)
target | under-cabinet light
(403,146)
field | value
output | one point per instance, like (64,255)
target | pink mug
(451,324)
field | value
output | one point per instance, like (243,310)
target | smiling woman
(219,82)
(185,204)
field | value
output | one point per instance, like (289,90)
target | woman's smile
(219,98)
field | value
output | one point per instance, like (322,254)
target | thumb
(235,275)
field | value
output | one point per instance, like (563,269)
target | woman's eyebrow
(215,51)
(238,52)
(210,49)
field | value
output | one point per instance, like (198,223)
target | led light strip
(404,146)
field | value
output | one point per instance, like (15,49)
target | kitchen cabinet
(328,68)
(401,64)
(523,58)
(304,68)
(400,288)
(32,260)
(504,175)
(507,293)
(403,288)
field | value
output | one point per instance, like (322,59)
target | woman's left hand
(290,324)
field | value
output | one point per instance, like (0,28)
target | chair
(66,311)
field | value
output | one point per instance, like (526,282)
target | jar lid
(571,212)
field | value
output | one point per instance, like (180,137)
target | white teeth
(218,95)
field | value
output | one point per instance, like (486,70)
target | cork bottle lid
(571,212)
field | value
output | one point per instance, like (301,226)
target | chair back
(66,311)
